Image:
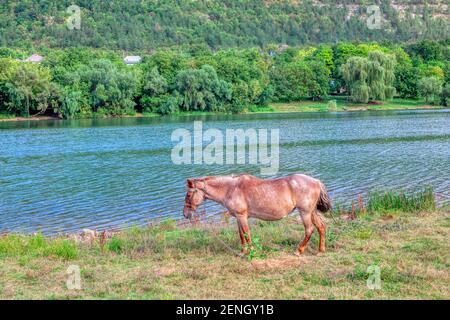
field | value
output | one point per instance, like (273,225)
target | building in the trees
(132,60)
(35,58)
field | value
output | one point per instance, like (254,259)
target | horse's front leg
(244,231)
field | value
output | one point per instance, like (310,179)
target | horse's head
(194,196)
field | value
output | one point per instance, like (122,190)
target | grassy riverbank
(197,261)
(342,105)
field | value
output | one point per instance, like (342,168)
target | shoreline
(200,113)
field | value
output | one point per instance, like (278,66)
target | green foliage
(70,103)
(154,92)
(406,81)
(332,105)
(201,89)
(83,82)
(428,50)
(13,245)
(116,245)
(105,86)
(355,73)
(293,80)
(26,88)
(370,78)
(430,88)
(140,25)
(422,200)
(255,249)
(445,95)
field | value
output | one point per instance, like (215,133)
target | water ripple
(112,174)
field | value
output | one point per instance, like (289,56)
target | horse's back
(272,199)
(297,179)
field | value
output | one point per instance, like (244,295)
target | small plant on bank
(37,245)
(116,245)
(255,249)
(332,105)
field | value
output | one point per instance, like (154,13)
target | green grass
(14,245)
(168,261)
(422,200)
(260,109)
(342,104)
(5,115)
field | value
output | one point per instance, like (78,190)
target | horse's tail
(324,202)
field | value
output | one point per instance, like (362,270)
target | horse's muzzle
(187,213)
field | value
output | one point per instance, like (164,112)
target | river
(63,176)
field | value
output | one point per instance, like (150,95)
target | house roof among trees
(34,58)
(132,59)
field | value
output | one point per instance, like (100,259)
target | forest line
(84,82)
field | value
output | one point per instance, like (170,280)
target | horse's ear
(190,183)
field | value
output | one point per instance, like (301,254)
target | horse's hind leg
(317,221)
(309,229)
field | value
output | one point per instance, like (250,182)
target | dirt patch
(355,108)
(30,119)
(280,263)
(165,271)
(375,103)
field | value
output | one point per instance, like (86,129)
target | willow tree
(355,74)
(370,78)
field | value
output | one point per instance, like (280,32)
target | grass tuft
(14,245)
(389,201)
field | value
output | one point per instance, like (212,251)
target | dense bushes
(201,89)
(83,82)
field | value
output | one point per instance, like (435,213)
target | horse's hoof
(298,253)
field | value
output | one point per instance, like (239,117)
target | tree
(355,74)
(26,88)
(381,75)
(70,103)
(201,89)
(445,95)
(370,78)
(406,81)
(154,91)
(294,77)
(168,63)
(428,50)
(430,88)
(405,75)
(8,68)
(247,71)
(319,83)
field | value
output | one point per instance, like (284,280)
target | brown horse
(246,196)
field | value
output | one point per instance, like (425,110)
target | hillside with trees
(148,25)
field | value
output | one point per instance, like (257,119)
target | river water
(63,176)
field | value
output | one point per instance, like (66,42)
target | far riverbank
(342,105)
